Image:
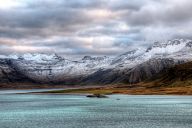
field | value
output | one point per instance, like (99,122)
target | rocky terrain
(131,67)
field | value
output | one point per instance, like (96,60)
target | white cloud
(9,4)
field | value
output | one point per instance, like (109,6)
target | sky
(76,28)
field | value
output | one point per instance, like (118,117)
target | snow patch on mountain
(169,47)
(129,56)
(40,57)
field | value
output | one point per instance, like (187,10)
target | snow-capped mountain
(132,66)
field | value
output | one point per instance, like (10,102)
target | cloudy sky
(90,27)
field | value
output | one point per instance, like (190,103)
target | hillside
(179,75)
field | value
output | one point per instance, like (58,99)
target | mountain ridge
(131,67)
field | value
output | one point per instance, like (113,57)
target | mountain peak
(87,58)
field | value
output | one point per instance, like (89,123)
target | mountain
(131,67)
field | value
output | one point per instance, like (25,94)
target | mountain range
(131,67)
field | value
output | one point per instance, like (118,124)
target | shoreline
(124,91)
(84,94)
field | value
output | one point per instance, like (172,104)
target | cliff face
(131,67)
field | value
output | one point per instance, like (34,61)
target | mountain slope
(179,75)
(9,75)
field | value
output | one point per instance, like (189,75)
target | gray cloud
(97,27)
(164,13)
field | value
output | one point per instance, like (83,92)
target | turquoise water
(72,111)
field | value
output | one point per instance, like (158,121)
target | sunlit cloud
(8,4)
